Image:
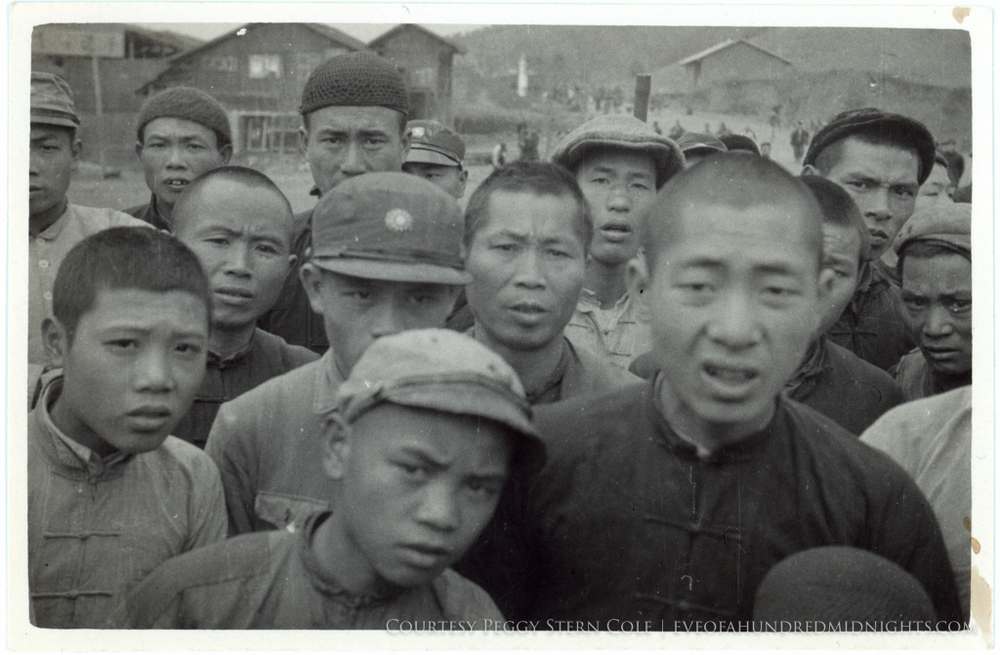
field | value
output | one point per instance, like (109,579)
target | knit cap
(840,584)
(355,79)
(188,104)
(899,129)
(620,131)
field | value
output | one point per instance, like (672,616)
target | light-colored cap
(620,131)
(52,101)
(446,371)
(946,223)
(432,142)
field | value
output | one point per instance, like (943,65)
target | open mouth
(176,184)
(424,556)
(729,375)
(615,231)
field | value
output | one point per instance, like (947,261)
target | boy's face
(342,142)
(450,178)
(418,488)
(175,151)
(527,260)
(937,300)
(242,237)
(733,305)
(356,311)
(841,256)
(936,189)
(132,368)
(620,186)
(882,180)
(53,157)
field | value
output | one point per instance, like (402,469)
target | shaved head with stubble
(733,292)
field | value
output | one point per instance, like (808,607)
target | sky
(361,31)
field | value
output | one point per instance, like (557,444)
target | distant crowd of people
(653,380)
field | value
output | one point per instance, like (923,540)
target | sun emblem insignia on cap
(398,220)
(419,132)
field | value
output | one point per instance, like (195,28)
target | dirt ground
(130,189)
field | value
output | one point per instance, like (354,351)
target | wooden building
(426,60)
(257,72)
(102,61)
(733,60)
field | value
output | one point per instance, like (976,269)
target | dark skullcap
(188,104)
(355,79)
(901,130)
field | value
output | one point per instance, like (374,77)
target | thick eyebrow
(425,456)
(112,330)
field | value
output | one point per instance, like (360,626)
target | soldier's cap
(52,101)
(692,142)
(389,226)
(903,130)
(620,131)
(445,371)
(355,79)
(948,224)
(739,142)
(432,142)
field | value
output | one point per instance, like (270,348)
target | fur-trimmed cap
(355,79)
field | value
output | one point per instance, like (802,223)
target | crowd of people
(648,380)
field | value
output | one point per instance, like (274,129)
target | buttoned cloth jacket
(96,527)
(932,440)
(628,523)
(273,580)
(872,325)
(266,356)
(616,333)
(836,382)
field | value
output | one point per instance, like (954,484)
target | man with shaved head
(240,225)
(668,501)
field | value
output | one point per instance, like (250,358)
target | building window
(225,64)
(424,77)
(265,66)
(306,62)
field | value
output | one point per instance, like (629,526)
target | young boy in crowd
(935,266)
(831,379)
(670,500)
(54,225)
(619,163)
(880,159)
(110,495)
(239,224)
(527,231)
(182,133)
(427,429)
(436,154)
(386,257)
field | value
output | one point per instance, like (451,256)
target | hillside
(596,56)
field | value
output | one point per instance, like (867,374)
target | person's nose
(238,260)
(530,270)
(388,319)
(618,199)
(734,322)
(938,323)
(439,507)
(153,372)
(354,162)
(175,160)
(877,205)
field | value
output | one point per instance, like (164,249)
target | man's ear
(463,176)
(826,283)
(303,139)
(227,152)
(311,277)
(138,148)
(406,148)
(56,341)
(637,281)
(336,447)
(809,169)
(292,259)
